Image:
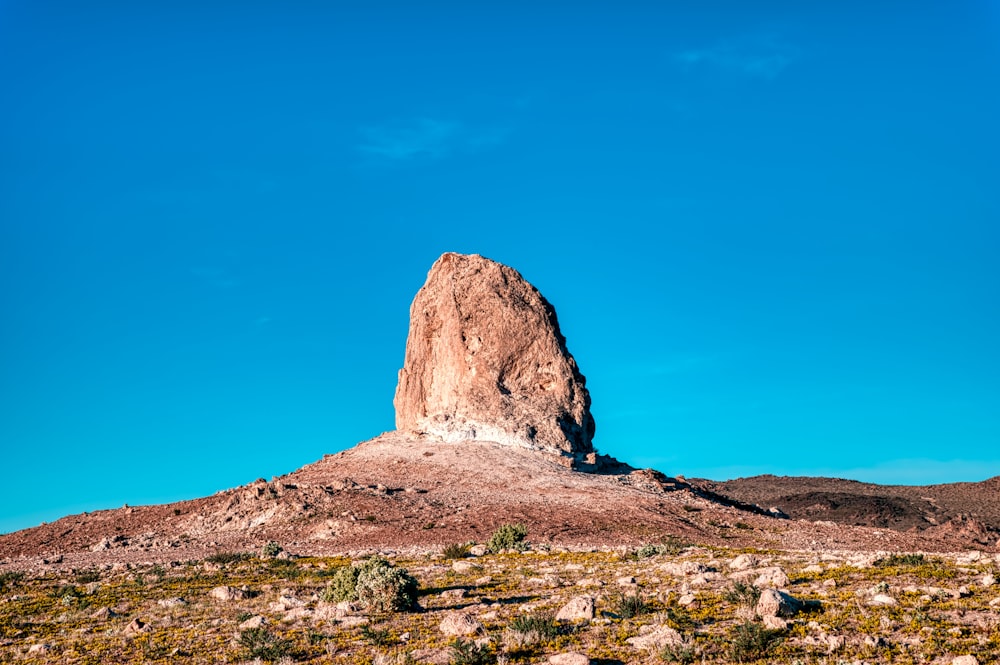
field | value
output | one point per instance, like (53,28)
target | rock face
(485,360)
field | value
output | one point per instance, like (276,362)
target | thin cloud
(757,57)
(425,138)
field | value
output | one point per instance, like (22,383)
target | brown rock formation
(485,360)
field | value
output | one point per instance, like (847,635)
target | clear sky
(771,230)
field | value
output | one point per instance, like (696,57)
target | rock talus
(485,360)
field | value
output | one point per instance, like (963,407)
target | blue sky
(770,232)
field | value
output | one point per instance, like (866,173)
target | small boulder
(569,659)
(460,624)
(882,600)
(656,639)
(137,626)
(255,621)
(580,608)
(228,593)
(744,562)
(964,660)
(773,577)
(774,603)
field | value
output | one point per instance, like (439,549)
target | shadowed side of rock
(485,360)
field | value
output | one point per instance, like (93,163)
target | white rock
(882,599)
(580,608)
(569,659)
(988,580)
(464,566)
(460,624)
(776,603)
(774,622)
(964,660)
(773,577)
(255,621)
(744,562)
(228,593)
(656,639)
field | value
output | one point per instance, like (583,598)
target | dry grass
(941,609)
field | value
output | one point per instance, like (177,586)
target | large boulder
(485,360)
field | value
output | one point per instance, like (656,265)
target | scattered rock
(882,599)
(964,660)
(626,581)
(104,614)
(39,649)
(774,622)
(688,600)
(590,582)
(464,566)
(228,593)
(569,659)
(773,577)
(485,360)
(255,621)
(580,608)
(136,626)
(774,603)
(171,602)
(656,639)
(988,580)
(460,624)
(478,550)
(744,562)
(454,594)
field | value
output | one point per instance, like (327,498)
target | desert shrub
(628,606)
(508,537)
(87,576)
(379,637)
(528,630)
(343,586)
(271,549)
(375,583)
(383,587)
(10,578)
(678,618)
(671,545)
(262,643)
(900,560)
(743,595)
(751,641)
(543,623)
(455,551)
(222,558)
(678,653)
(467,652)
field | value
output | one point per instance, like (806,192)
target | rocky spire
(485,360)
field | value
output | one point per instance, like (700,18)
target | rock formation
(485,360)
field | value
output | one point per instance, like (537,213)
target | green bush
(375,583)
(383,587)
(343,586)
(262,643)
(271,550)
(543,624)
(467,652)
(222,558)
(743,595)
(455,551)
(628,606)
(508,537)
(751,641)
(900,560)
